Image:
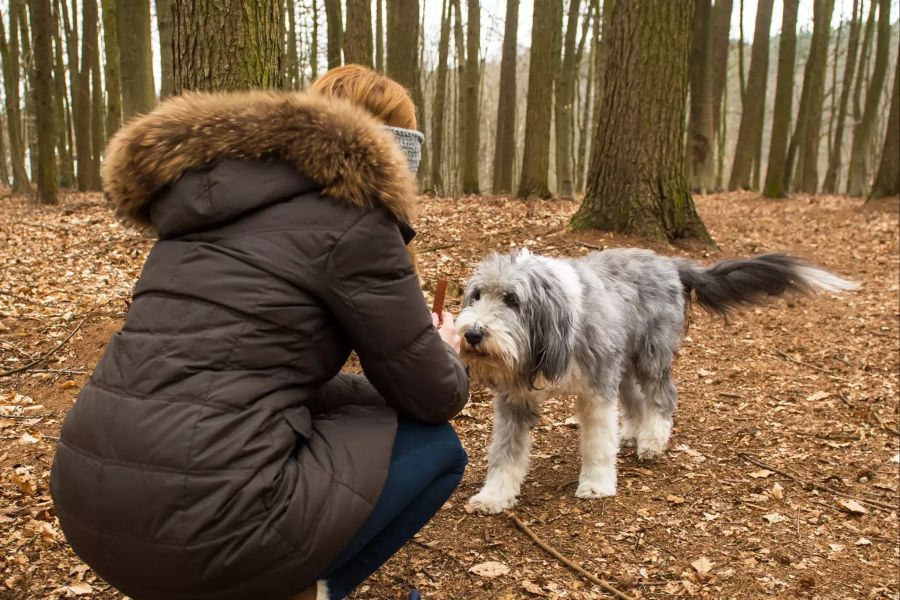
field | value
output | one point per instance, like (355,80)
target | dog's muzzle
(474,337)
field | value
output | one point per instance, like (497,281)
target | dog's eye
(511,300)
(475,297)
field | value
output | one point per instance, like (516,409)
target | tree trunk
(335,32)
(28,87)
(243,45)
(292,56)
(585,125)
(887,180)
(784,95)
(754,100)
(565,96)
(379,35)
(440,101)
(461,81)
(637,181)
(720,26)
(862,75)
(539,110)
(473,79)
(314,45)
(742,83)
(63,150)
(701,128)
(599,75)
(4,163)
(833,174)
(80,113)
(358,38)
(505,145)
(81,100)
(93,98)
(402,50)
(862,134)
(166,48)
(112,67)
(136,56)
(43,86)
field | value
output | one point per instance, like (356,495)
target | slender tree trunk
(701,130)
(64,152)
(599,65)
(741,72)
(292,56)
(637,180)
(243,45)
(784,94)
(584,126)
(835,158)
(505,146)
(79,114)
(29,86)
(720,26)
(335,32)
(862,75)
(314,50)
(81,94)
(833,93)
(136,56)
(461,81)
(4,163)
(887,180)
(440,102)
(90,71)
(565,96)
(754,100)
(166,48)
(379,35)
(865,129)
(112,67)
(358,38)
(539,110)
(473,126)
(43,85)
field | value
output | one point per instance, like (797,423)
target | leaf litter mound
(781,479)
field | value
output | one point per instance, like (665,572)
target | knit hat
(410,142)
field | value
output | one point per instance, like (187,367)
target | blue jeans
(427,464)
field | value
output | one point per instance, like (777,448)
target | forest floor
(781,479)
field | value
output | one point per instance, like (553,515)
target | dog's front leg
(508,454)
(597,416)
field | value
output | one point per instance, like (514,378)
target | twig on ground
(790,358)
(884,425)
(46,355)
(844,399)
(556,554)
(60,371)
(23,417)
(591,246)
(730,395)
(440,551)
(436,248)
(812,484)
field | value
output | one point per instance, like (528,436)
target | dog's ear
(550,329)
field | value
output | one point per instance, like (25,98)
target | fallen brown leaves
(806,386)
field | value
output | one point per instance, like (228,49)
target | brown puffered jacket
(214,454)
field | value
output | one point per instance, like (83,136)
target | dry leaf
(774,517)
(896,459)
(777,491)
(702,565)
(27,438)
(533,588)
(863,542)
(23,484)
(852,506)
(68,385)
(761,473)
(489,569)
(80,588)
(675,499)
(820,395)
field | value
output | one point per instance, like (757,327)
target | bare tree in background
(335,32)
(292,77)
(473,80)
(701,129)
(136,56)
(720,27)
(379,35)
(112,67)
(9,49)
(166,48)
(565,98)
(784,96)
(41,17)
(358,36)
(584,128)
(65,165)
(90,66)
(440,102)
(505,145)
(887,179)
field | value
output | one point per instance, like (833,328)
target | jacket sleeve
(375,294)
(345,389)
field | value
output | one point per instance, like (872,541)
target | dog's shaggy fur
(605,328)
(337,144)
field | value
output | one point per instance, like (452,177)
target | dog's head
(516,323)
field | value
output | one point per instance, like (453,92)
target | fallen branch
(818,486)
(591,246)
(569,563)
(884,425)
(46,355)
(790,358)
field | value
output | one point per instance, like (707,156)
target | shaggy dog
(602,327)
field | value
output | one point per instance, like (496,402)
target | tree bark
(585,125)
(862,134)
(754,101)
(292,55)
(28,87)
(720,26)
(701,130)
(539,110)
(402,49)
(565,97)
(461,81)
(136,57)
(358,38)
(112,67)
(887,180)
(440,102)
(473,80)
(4,162)
(862,74)
(43,85)
(314,45)
(228,45)
(505,146)
(637,180)
(379,35)
(166,48)
(80,75)
(90,70)
(784,95)
(335,32)
(63,150)
(835,158)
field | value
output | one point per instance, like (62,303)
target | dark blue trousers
(427,464)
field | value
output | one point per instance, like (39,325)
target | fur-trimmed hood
(337,145)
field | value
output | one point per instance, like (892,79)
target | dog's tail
(731,283)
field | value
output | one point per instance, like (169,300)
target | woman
(216,452)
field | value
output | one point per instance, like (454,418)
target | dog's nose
(474,337)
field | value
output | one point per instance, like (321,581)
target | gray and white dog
(602,327)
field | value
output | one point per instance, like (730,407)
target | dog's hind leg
(631,399)
(656,423)
(598,417)
(508,453)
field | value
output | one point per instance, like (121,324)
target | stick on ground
(569,563)
(44,356)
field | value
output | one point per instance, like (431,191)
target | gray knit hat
(410,142)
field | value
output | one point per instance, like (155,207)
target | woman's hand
(446,329)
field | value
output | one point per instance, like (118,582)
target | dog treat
(439,293)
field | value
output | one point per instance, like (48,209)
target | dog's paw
(491,504)
(595,489)
(650,453)
(627,442)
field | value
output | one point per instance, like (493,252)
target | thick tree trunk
(136,56)
(81,100)
(402,49)
(754,101)
(600,77)
(784,95)
(473,80)
(887,180)
(228,45)
(701,130)
(112,67)
(63,150)
(43,91)
(166,48)
(637,181)
(440,102)
(720,26)
(90,68)
(865,129)
(505,146)
(539,110)
(358,38)
(335,32)
(835,158)
(565,97)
